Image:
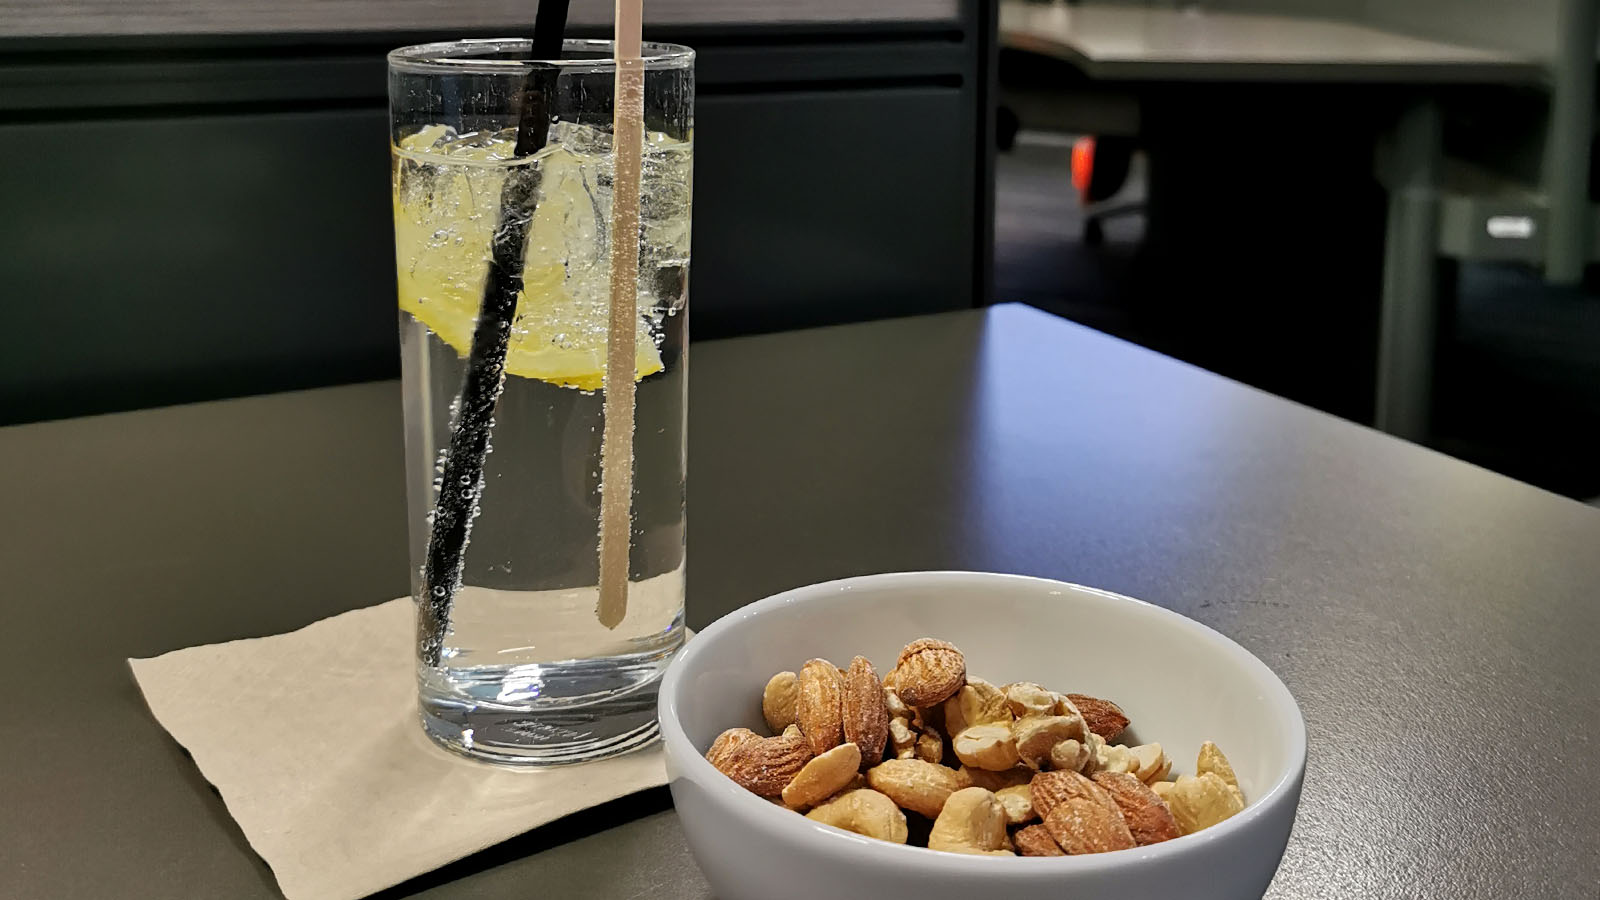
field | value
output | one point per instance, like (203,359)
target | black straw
(462,484)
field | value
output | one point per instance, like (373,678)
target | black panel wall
(208,217)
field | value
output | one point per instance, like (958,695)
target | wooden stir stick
(616,444)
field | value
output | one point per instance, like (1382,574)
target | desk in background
(1262,131)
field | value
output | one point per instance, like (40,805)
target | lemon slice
(441,244)
(562,359)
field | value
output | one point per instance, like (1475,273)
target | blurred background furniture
(197,201)
(1261,129)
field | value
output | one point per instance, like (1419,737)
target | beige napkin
(313,741)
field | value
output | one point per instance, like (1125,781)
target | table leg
(1406,329)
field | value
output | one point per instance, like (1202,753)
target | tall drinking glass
(523,670)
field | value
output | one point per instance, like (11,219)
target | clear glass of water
(526,673)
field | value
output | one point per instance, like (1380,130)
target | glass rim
(463,56)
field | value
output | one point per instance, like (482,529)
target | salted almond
(928,672)
(1147,816)
(765,766)
(1050,789)
(865,711)
(1103,717)
(1081,825)
(727,742)
(1035,840)
(823,776)
(819,708)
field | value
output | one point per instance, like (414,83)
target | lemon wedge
(441,247)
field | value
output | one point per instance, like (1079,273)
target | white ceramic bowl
(1179,682)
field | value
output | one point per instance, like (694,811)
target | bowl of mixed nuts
(959,735)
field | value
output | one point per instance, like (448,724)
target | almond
(819,707)
(928,672)
(1147,816)
(765,766)
(1081,825)
(1050,789)
(1103,717)
(1035,840)
(727,742)
(865,711)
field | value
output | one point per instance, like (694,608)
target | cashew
(1116,758)
(913,784)
(972,821)
(1028,699)
(1200,802)
(865,812)
(994,781)
(1212,760)
(1163,789)
(1151,762)
(1070,755)
(1097,753)
(902,738)
(1037,735)
(930,748)
(1064,706)
(1017,801)
(978,703)
(897,707)
(988,747)
(778,701)
(823,776)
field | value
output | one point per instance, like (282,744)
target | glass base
(504,740)
(546,714)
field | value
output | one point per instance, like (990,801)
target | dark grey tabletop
(1436,621)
